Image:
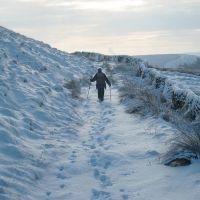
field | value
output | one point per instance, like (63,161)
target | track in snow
(115,156)
(97,142)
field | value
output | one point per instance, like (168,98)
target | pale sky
(133,27)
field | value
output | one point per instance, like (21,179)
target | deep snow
(55,144)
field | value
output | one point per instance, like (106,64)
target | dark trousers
(101,93)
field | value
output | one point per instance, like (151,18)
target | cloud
(105,24)
(135,43)
(109,5)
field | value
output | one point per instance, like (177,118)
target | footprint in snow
(102,139)
(100,142)
(101,195)
(73,157)
(61,168)
(99,160)
(107,148)
(105,180)
(108,112)
(124,196)
(96,130)
(61,176)
(93,161)
(106,137)
(62,186)
(92,146)
(48,146)
(88,146)
(48,193)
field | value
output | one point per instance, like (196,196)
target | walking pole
(88,91)
(110,93)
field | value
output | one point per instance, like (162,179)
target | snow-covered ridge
(101,57)
(172,60)
(36,104)
(169,88)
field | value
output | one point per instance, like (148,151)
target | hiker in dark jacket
(101,80)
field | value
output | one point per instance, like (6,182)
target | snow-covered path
(115,156)
(53,146)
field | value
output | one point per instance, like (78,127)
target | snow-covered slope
(39,87)
(172,60)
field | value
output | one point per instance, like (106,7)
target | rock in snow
(179,162)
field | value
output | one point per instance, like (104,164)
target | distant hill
(173,61)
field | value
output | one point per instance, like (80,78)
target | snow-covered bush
(178,100)
(188,142)
(185,145)
(184,101)
(138,98)
(74,87)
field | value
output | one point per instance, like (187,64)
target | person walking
(101,80)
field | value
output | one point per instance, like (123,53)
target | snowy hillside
(39,87)
(57,144)
(172,60)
